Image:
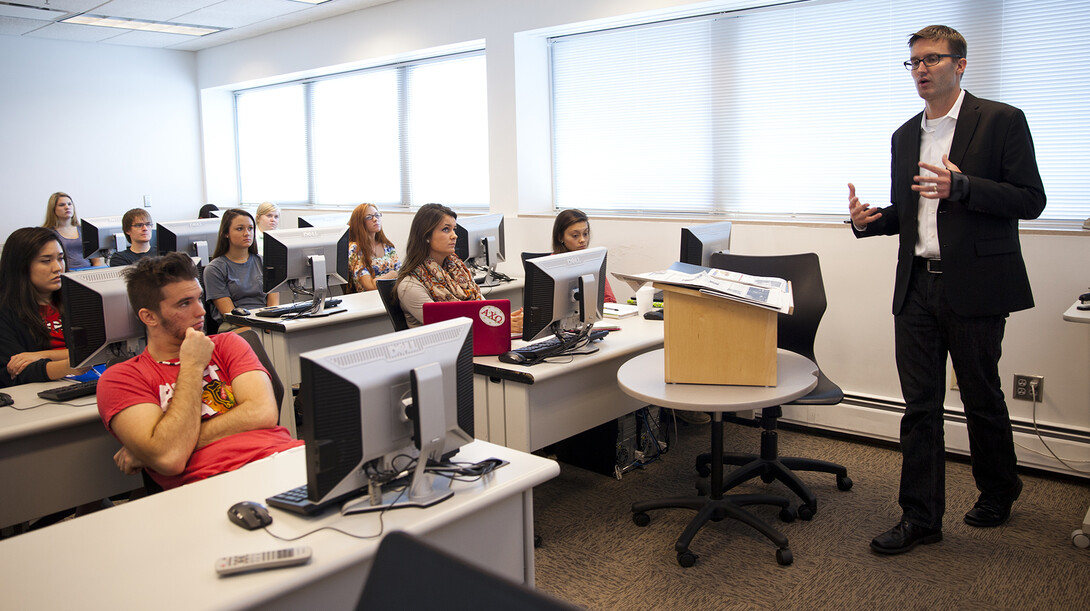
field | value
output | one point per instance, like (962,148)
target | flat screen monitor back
(196,238)
(97,314)
(552,297)
(700,242)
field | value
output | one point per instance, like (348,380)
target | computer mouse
(5,399)
(653,315)
(249,515)
(240,312)
(514,358)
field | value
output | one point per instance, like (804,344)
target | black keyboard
(293,308)
(69,392)
(530,354)
(296,501)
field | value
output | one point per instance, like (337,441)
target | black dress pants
(926,330)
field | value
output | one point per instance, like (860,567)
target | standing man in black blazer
(964,173)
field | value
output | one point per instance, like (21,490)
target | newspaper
(763,292)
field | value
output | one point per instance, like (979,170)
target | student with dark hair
(190,406)
(60,216)
(32,347)
(137,225)
(571,232)
(235,278)
(431,271)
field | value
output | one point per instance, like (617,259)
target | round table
(643,378)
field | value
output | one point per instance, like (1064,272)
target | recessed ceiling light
(138,24)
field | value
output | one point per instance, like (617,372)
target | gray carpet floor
(594,556)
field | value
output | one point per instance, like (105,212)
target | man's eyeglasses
(373,216)
(143,225)
(927,60)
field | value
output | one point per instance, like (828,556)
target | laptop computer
(491,322)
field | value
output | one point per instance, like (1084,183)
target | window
(772,111)
(397,136)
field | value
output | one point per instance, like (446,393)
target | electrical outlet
(1028,388)
(147,201)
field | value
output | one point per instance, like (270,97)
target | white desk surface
(636,334)
(643,378)
(54,456)
(158,552)
(1073,314)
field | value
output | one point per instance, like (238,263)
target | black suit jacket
(983,270)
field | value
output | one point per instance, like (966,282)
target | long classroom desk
(364,317)
(54,456)
(159,552)
(528,408)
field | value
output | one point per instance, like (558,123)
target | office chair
(254,340)
(796,333)
(409,573)
(389,299)
(534,255)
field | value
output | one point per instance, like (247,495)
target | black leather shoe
(990,511)
(903,537)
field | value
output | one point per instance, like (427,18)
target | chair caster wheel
(806,512)
(784,557)
(768,478)
(787,515)
(537,541)
(641,519)
(1080,539)
(703,470)
(688,559)
(843,483)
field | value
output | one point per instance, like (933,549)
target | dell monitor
(336,219)
(700,242)
(563,292)
(480,244)
(196,238)
(294,256)
(102,234)
(99,324)
(367,404)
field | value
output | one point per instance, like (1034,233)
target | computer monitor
(368,401)
(563,292)
(335,219)
(99,323)
(700,242)
(196,238)
(480,244)
(294,256)
(102,233)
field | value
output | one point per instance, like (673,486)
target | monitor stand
(487,280)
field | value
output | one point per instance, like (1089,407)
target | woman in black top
(31,333)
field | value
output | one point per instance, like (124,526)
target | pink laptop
(491,322)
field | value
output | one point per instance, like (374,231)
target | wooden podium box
(713,340)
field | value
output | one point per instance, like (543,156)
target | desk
(158,552)
(528,408)
(365,317)
(643,378)
(1081,537)
(54,456)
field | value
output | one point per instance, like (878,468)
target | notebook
(491,322)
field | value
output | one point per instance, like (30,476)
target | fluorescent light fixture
(142,25)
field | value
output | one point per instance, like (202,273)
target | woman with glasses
(371,254)
(235,278)
(32,347)
(60,216)
(137,225)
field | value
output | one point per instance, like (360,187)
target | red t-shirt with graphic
(52,319)
(142,379)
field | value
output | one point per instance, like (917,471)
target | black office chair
(534,255)
(795,332)
(389,300)
(404,563)
(254,340)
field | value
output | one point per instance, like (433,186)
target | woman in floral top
(371,254)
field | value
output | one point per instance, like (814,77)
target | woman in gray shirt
(235,276)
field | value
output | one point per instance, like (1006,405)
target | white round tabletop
(643,377)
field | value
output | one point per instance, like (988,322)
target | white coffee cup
(645,299)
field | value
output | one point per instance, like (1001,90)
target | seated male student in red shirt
(190,406)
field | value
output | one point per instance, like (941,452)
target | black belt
(933,266)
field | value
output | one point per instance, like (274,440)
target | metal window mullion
(308,137)
(403,135)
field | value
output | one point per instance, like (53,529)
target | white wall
(107,124)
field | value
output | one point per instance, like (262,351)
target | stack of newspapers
(763,292)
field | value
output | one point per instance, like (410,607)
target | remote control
(272,559)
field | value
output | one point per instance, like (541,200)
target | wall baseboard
(880,419)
